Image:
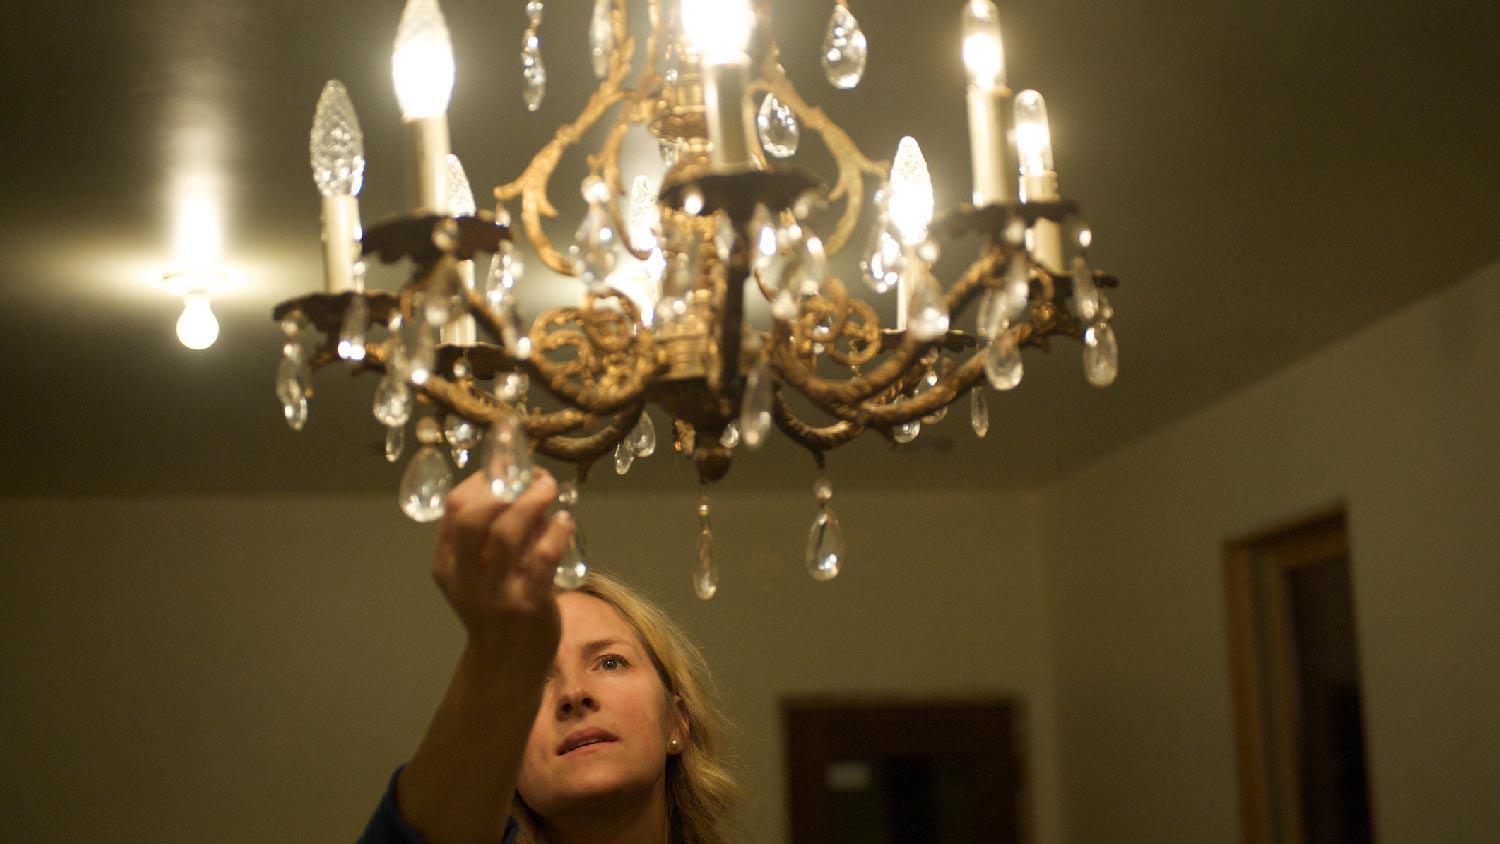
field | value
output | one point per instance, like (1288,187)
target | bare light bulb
(1033,137)
(422,65)
(910,205)
(197,328)
(337,146)
(719,30)
(984,53)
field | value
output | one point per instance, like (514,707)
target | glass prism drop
(731,436)
(776,125)
(642,438)
(755,407)
(421,352)
(1002,364)
(533,72)
(395,442)
(825,545)
(991,318)
(593,250)
(927,310)
(979,412)
(392,400)
(293,387)
(928,383)
(705,570)
(885,258)
(905,432)
(601,37)
(460,432)
(424,485)
(844,49)
(507,458)
(624,457)
(352,331)
(1017,286)
(571,567)
(1101,355)
(1085,292)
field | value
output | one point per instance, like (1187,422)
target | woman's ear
(678,735)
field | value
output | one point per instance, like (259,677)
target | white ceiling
(1264,178)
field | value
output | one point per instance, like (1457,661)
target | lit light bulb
(910,205)
(337,146)
(422,65)
(197,328)
(984,53)
(1033,137)
(460,193)
(719,30)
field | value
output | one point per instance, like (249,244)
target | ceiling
(1265,178)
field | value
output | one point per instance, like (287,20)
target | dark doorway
(875,773)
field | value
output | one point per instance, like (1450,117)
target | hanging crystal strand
(461,436)
(885,259)
(427,478)
(293,374)
(1002,363)
(706,570)
(1101,352)
(601,36)
(979,412)
(928,383)
(825,541)
(395,442)
(532,71)
(573,567)
(392,400)
(507,459)
(624,457)
(593,249)
(844,49)
(755,407)
(642,438)
(776,126)
(352,331)
(905,432)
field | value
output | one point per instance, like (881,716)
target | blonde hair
(702,781)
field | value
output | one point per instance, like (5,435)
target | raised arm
(494,564)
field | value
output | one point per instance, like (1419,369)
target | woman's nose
(575,702)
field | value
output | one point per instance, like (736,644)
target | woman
(576,718)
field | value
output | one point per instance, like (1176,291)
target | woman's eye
(612,663)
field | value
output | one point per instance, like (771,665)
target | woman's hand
(495,562)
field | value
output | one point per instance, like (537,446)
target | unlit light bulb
(911,203)
(719,30)
(422,65)
(197,328)
(337,146)
(1033,137)
(984,53)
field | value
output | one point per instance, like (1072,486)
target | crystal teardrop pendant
(571,568)
(424,485)
(1085,292)
(928,383)
(763,242)
(624,457)
(991,319)
(395,442)
(844,49)
(293,386)
(421,352)
(905,432)
(533,72)
(507,459)
(755,407)
(352,331)
(776,125)
(825,545)
(392,400)
(884,259)
(1017,286)
(601,37)
(927,310)
(593,251)
(706,571)
(642,438)
(1002,363)
(979,412)
(461,436)
(731,436)
(1101,354)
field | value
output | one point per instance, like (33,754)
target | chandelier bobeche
(663,318)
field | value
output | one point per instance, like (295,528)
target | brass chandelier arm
(853,165)
(583,451)
(815,439)
(572,381)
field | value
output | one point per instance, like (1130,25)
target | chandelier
(667,270)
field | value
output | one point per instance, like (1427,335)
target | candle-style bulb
(422,65)
(460,193)
(718,30)
(984,53)
(910,204)
(337,146)
(1033,137)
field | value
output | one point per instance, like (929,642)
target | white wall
(241,670)
(1401,423)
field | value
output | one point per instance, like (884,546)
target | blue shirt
(387,826)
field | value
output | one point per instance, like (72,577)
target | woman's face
(605,725)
